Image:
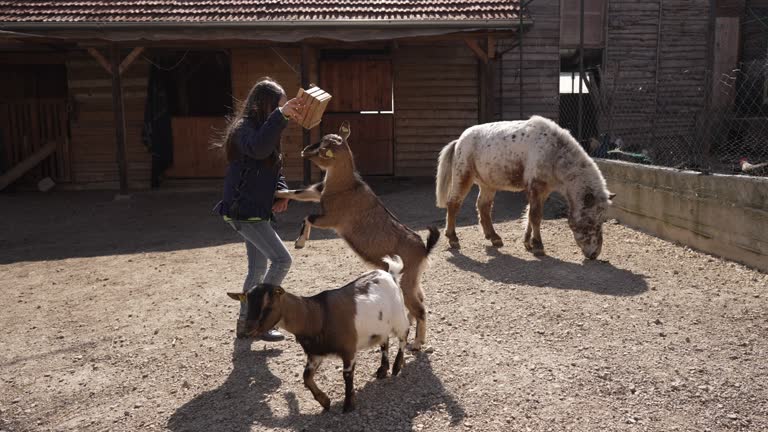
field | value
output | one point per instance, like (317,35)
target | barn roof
(214,12)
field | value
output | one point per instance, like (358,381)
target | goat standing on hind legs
(349,206)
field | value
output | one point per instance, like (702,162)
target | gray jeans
(263,244)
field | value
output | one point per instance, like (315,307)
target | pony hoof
(528,247)
(497,242)
(454,244)
(298,245)
(538,252)
(415,346)
(348,408)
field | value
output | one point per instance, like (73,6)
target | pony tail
(445,174)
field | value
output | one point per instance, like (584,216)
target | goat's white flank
(380,312)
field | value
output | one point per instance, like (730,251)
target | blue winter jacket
(257,173)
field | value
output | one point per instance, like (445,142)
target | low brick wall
(723,215)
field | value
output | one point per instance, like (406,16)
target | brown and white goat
(359,315)
(349,206)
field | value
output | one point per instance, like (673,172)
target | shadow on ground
(599,277)
(241,402)
(60,225)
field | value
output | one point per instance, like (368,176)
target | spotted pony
(536,156)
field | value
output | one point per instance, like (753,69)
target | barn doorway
(189,96)
(34,115)
(362,85)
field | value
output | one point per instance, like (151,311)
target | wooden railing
(27,125)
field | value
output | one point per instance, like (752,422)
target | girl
(254,173)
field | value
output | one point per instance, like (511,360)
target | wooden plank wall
(436,99)
(250,64)
(682,66)
(753,34)
(93,147)
(631,55)
(656,58)
(541,67)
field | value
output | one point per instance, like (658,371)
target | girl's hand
(293,108)
(280,205)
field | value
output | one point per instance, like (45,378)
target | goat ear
(611,195)
(344,130)
(237,296)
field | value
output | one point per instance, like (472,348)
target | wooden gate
(362,94)
(27,125)
(193,155)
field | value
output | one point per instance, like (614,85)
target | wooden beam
(118,109)
(305,133)
(491,47)
(27,164)
(29,58)
(100,58)
(475,47)
(130,58)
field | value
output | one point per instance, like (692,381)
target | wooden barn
(134,94)
(409,76)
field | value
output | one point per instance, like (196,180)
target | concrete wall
(720,214)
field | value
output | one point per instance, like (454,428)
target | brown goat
(349,206)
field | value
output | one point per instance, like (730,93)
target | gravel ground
(113,317)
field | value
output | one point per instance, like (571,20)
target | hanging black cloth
(157,133)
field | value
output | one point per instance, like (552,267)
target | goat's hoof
(382,372)
(325,402)
(397,368)
(348,407)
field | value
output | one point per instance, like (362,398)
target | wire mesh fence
(693,120)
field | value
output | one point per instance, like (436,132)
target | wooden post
(486,73)
(490,78)
(305,134)
(119,111)
(487,94)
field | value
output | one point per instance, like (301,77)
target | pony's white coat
(515,155)
(538,145)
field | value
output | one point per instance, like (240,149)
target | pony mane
(593,179)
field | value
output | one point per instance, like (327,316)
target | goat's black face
(263,307)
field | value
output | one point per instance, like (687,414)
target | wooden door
(362,95)
(193,156)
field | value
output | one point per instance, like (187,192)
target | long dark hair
(262,100)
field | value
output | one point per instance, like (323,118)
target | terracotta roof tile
(223,11)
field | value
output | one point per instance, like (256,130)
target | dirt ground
(113,317)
